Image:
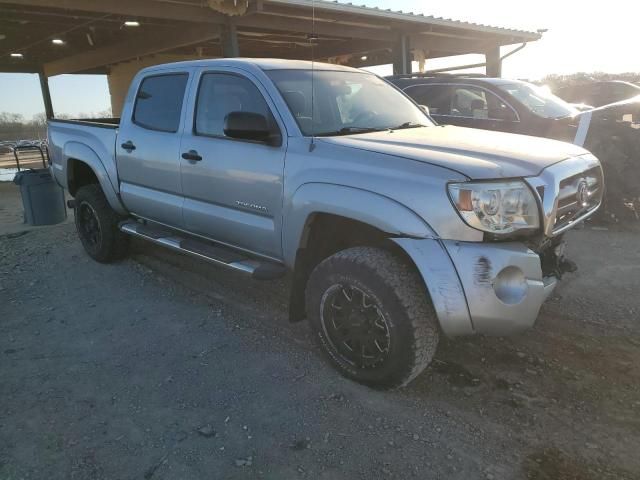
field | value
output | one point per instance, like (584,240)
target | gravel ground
(161,367)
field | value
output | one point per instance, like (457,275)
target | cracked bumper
(488,288)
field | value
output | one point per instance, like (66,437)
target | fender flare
(364,206)
(82,153)
(443,284)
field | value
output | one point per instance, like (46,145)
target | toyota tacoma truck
(393,230)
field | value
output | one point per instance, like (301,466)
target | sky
(581,37)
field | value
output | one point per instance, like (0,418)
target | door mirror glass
(248,126)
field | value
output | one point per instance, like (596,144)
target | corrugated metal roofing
(407,17)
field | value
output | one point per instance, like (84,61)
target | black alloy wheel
(355,326)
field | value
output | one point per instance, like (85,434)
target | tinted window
(159,102)
(469,102)
(221,94)
(472,102)
(436,97)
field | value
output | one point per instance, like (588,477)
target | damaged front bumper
(503,284)
(488,288)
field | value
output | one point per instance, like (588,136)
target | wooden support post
(229,40)
(402,56)
(494,62)
(46,95)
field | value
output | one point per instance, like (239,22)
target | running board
(218,255)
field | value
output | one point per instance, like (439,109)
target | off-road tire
(401,297)
(112,244)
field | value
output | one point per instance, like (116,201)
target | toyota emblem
(582,195)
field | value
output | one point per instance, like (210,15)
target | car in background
(604,93)
(599,94)
(6,147)
(500,104)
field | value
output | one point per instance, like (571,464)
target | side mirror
(250,126)
(425,109)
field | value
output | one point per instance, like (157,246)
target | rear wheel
(370,313)
(97,225)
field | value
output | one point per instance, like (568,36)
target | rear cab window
(158,104)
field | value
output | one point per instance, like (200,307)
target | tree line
(14,126)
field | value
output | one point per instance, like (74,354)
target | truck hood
(477,154)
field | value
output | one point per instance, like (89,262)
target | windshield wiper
(350,130)
(408,125)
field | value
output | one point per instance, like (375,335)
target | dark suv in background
(492,104)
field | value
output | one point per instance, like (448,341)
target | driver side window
(469,102)
(220,94)
(477,103)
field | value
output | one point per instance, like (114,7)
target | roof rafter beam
(137,8)
(453,45)
(136,47)
(281,23)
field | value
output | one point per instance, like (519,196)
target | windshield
(345,102)
(539,101)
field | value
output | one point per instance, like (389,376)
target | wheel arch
(83,166)
(377,211)
(323,219)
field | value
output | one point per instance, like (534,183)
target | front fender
(443,283)
(364,206)
(83,153)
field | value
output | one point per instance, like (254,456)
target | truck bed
(90,140)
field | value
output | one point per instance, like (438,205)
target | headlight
(496,207)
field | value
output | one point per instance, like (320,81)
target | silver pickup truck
(394,230)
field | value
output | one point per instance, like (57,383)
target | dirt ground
(161,367)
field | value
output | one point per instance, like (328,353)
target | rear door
(148,148)
(232,188)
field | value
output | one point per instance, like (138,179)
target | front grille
(569,191)
(579,195)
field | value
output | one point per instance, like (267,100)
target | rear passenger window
(436,97)
(159,102)
(219,95)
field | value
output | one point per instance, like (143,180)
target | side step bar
(208,251)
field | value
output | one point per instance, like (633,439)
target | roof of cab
(261,63)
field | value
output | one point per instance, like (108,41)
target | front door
(148,149)
(465,105)
(476,107)
(232,188)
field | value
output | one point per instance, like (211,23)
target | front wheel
(97,225)
(370,313)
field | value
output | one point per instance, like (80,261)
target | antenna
(312,39)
